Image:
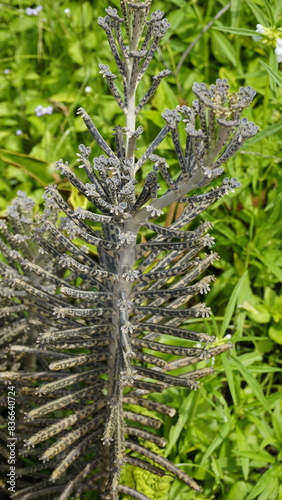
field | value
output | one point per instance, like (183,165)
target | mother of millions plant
(108,299)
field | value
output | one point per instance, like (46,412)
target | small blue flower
(41,110)
(48,110)
(33,12)
(19,132)
(7,71)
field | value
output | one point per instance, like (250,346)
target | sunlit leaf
(37,169)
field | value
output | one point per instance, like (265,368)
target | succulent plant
(113,297)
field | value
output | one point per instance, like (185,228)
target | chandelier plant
(100,301)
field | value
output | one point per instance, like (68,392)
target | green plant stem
(266,102)
(197,38)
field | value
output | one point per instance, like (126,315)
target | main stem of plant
(125,259)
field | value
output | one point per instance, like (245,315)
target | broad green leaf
(269,296)
(4,186)
(175,20)
(22,23)
(238,491)
(276,309)
(164,97)
(252,382)
(259,313)
(38,125)
(7,109)
(275,332)
(154,116)
(16,173)
(86,15)
(75,52)
(4,134)
(37,169)
(232,303)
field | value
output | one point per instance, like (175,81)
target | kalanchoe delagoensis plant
(20,317)
(114,296)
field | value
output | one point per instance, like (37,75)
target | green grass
(227,435)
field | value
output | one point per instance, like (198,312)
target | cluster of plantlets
(98,300)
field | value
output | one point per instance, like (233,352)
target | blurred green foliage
(228,435)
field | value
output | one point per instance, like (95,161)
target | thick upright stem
(119,368)
(131,116)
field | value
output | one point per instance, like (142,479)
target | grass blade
(268,478)
(252,382)
(236,31)
(222,434)
(272,73)
(232,303)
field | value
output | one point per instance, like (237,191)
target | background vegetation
(228,435)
